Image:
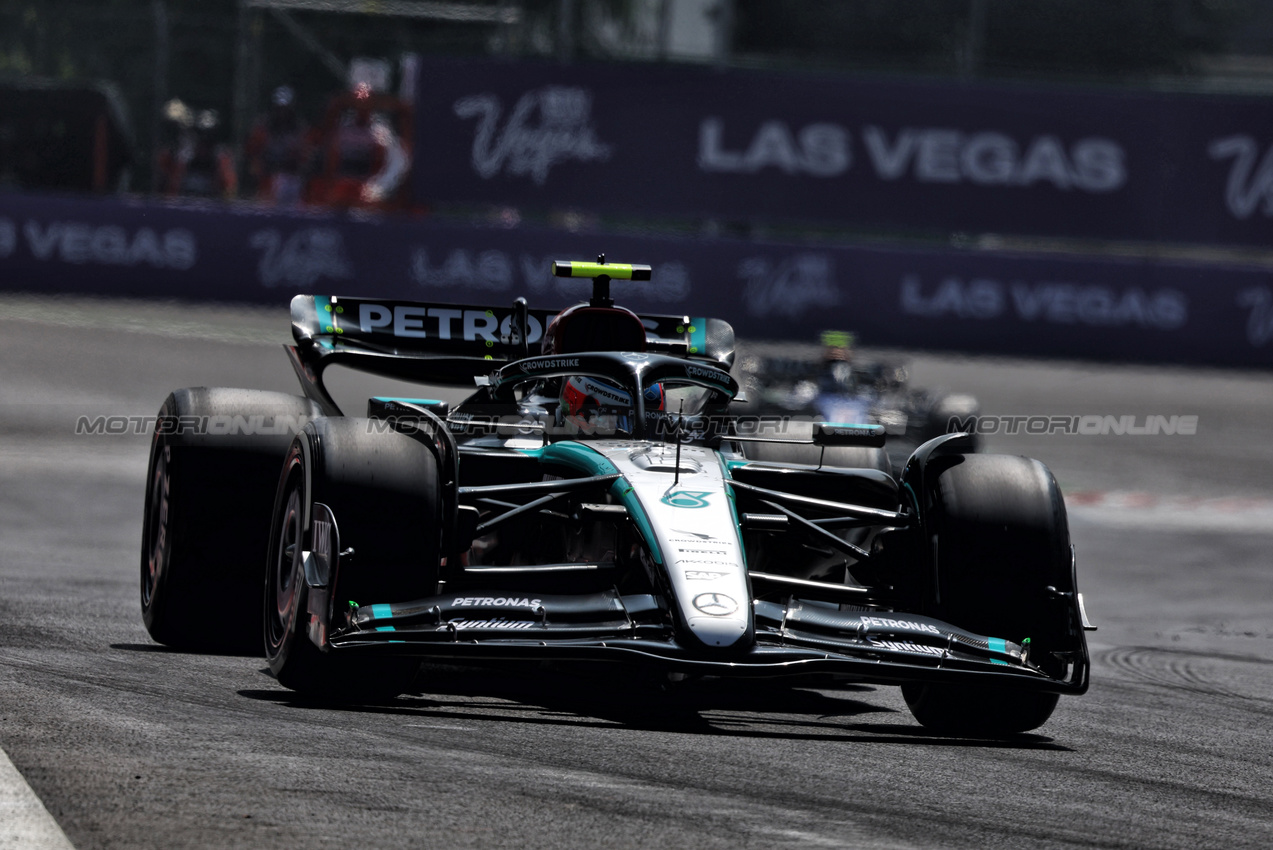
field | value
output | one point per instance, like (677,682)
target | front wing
(798,637)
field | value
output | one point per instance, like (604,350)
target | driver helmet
(600,408)
(837,346)
(655,397)
(837,356)
(595,406)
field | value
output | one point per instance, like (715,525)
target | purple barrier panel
(146,248)
(195,250)
(872,153)
(942,299)
(1106,309)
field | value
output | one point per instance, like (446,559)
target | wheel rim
(156,525)
(285,559)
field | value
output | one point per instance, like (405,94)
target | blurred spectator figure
(395,162)
(196,165)
(364,158)
(276,151)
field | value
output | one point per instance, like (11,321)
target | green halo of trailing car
(598,498)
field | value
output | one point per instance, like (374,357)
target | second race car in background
(838,386)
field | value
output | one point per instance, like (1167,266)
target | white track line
(24,822)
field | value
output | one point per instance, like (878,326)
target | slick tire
(1001,540)
(382,489)
(214,462)
(844,457)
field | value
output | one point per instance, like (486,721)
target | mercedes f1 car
(597,500)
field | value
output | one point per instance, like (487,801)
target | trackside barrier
(979,302)
(869,152)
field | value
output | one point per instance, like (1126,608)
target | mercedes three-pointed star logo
(715,604)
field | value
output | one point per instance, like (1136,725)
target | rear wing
(459,332)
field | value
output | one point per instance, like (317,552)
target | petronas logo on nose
(687,498)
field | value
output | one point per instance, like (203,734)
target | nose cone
(717,633)
(718,619)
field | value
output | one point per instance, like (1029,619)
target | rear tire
(1001,540)
(382,488)
(207,513)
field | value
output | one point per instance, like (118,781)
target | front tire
(382,489)
(1002,540)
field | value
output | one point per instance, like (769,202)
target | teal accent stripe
(577,456)
(389,398)
(385,628)
(733,506)
(698,334)
(587,460)
(998,645)
(624,492)
(381,612)
(326,314)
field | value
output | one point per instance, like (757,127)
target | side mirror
(385,407)
(827,434)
